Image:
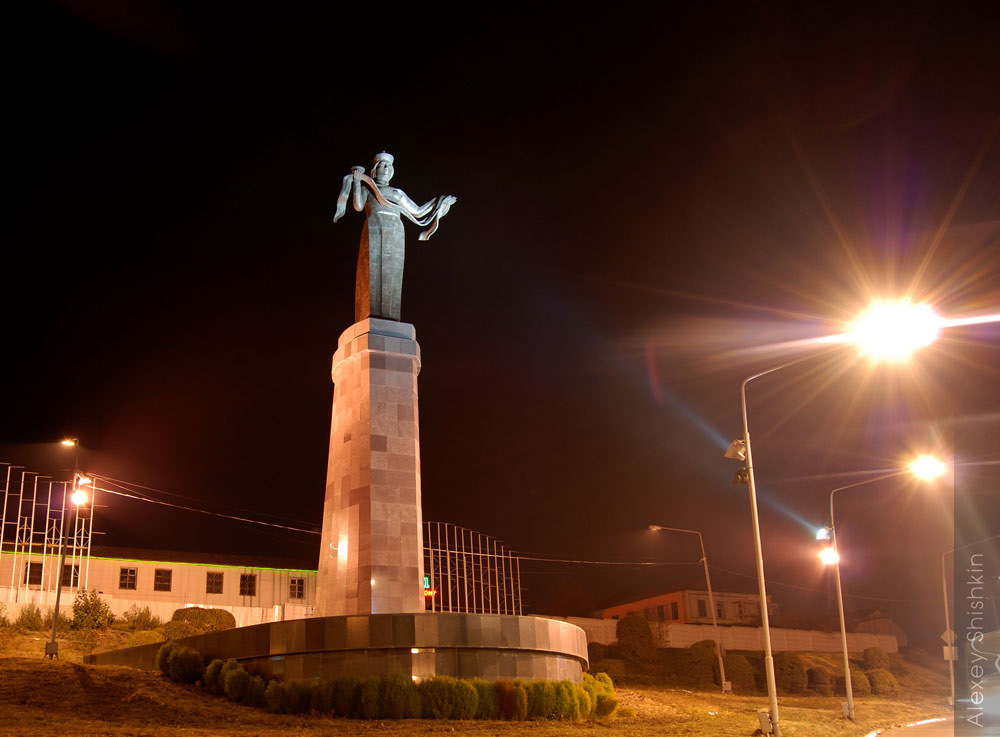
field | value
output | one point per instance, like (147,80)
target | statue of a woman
(380,259)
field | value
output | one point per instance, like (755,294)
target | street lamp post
(711,600)
(924,468)
(78,497)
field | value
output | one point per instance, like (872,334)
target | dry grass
(52,699)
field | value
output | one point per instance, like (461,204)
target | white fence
(244,615)
(740,638)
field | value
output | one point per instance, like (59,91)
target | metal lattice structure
(34,513)
(469,571)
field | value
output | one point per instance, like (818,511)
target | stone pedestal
(371,555)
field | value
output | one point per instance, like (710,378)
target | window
(296,588)
(674,613)
(248,584)
(70,576)
(660,613)
(127,578)
(720,610)
(33,574)
(213,583)
(162,579)
(648,613)
(702,608)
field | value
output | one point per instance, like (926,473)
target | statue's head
(382,170)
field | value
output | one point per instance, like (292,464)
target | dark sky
(643,199)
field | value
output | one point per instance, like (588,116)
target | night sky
(648,205)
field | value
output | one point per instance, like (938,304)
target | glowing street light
(68,442)
(78,497)
(894,330)
(831,555)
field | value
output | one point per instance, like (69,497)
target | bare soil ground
(40,698)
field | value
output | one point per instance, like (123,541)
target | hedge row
(396,696)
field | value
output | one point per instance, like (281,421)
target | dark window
(33,574)
(648,613)
(702,608)
(213,583)
(248,584)
(70,576)
(674,613)
(296,588)
(660,613)
(720,611)
(162,579)
(127,578)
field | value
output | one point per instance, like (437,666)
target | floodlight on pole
(829,556)
(78,497)
(926,467)
(726,686)
(823,533)
(892,330)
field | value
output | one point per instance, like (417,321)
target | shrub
(635,639)
(213,677)
(602,695)
(596,651)
(65,623)
(370,698)
(437,697)
(512,698)
(465,700)
(177,630)
(276,697)
(347,696)
(696,666)
(584,703)
(3,615)
(163,658)
(399,697)
(883,682)
(90,611)
(255,696)
(489,707)
(860,685)
(143,637)
(607,705)
(739,672)
(323,697)
(541,699)
(819,680)
(875,658)
(567,708)
(185,665)
(139,619)
(790,672)
(611,665)
(29,618)
(236,684)
(205,620)
(299,695)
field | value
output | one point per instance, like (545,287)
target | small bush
(883,682)
(399,696)
(541,699)
(819,681)
(371,688)
(163,658)
(611,665)
(790,672)
(739,672)
(65,623)
(143,637)
(90,611)
(512,698)
(860,685)
(255,695)
(635,639)
(875,658)
(300,695)
(489,707)
(139,619)
(567,708)
(347,697)
(276,697)
(323,697)
(584,702)
(236,684)
(464,699)
(4,622)
(606,706)
(436,695)
(213,677)
(185,665)
(205,620)
(697,665)
(596,651)
(29,618)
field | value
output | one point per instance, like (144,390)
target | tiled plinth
(371,554)
(487,646)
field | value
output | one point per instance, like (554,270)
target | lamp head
(737,450)
(926,467)
(79,497)
(68,442)
(823,533)
(893,330)
(829,556)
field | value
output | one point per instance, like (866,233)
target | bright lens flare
(892,331)
(829,556)
(79,497)
(926,468)
(67,443)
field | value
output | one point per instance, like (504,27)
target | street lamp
(888,331)
(711,599)
(78,498)
(921,468)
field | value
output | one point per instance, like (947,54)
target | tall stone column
(371,559)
